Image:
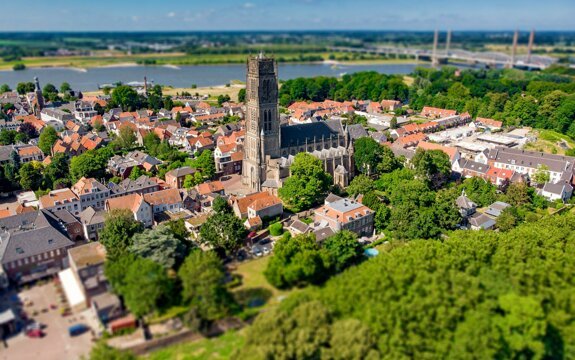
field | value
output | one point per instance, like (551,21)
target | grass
(170,313)
(108,58)
(255,286)
(547,141)
(221,347)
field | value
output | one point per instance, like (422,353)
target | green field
(182,59)
(221,347)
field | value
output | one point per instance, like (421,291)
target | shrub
(276,229)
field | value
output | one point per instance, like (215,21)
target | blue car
(77,329)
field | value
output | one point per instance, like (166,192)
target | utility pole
(434,61)
(530,47)
(514,49)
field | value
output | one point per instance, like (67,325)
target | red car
(34,333)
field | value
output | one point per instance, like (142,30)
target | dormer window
(19,250)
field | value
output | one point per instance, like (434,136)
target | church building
(269,148)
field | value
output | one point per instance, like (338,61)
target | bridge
(436,56)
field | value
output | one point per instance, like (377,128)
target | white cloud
(171,14)
(249,5)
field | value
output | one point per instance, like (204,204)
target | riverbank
(179,59)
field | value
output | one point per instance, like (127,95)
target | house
(432,112)
(210,187)
(135,203)
(496,208)
(489,123)
(559,167)
(297,227)
(165,200)
(84,111)
(29,153)
(390,105)
(479,221)
(254,223)
(465,205)
(141,185)
(175,178)
(61,199)
(122,166)
(33,245)
(558,191)
(86,274)
(469,168)
(265,207)
(92,222)
(241,205)
(199,144)
(499,176)
(91,192)
(453,153)
(55,117)
(345,214)
(70,223)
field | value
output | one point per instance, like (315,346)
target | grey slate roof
(182,171)
(496,208)
(298,134)
(473,166)
(356,131)
(482,221)
(463,202)
(30,234)
(531,159)
(90,216)
(558,188)
(323,233)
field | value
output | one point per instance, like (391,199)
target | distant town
(132,220)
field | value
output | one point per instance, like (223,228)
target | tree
(135,173)
(88,164)
(119,228)
(393,123)
(161,246)
(242,95)
(506,220)
(432,165)
(203,285)
(65,87)
(31,175)
(29,130)
(204,163)
(50,92)
(388,161)
(343,249)
(368,154)
(308,184)
(24,88)
(125,97)
(47,139)
(481,192)
(5,88)
(361,184)
(126,138)
(7,137)
(223,231)
(541,176)
(222,99)
(518,194)
(151,142)
(297,262)
(101,351)
(147,283)
(192,180)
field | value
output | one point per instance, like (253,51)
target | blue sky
(193,15)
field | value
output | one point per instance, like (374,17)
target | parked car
(257,251)
(34,333)
(77,329)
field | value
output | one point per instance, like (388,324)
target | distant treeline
(542,100)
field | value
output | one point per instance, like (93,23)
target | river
(183,76)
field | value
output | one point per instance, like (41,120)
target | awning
(72,289)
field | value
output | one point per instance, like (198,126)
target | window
(19,250)
(50,241)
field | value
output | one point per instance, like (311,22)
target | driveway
(56,344)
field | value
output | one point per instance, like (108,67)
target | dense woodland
(474,295)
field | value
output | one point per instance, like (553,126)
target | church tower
(262,120)
(39,97)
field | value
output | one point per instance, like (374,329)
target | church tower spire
(262,119)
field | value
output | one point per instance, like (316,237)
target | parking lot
(39,303)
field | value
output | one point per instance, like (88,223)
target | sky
(214,15)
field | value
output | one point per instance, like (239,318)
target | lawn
(255,289)
(221,347)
